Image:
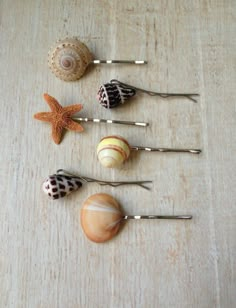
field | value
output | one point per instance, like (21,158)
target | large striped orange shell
(100,217)
(69,58)
(112,151)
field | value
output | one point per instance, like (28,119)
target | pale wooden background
(45,261)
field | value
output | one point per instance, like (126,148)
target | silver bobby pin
(138,148)
(113,151)
(110,121)
(101,217)
(152,93)
(157,217)
(62,118)
(103,183)
(63,183)
(69,58)
(118,62)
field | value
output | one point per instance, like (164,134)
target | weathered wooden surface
(45,261)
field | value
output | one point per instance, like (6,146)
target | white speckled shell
(69,58)
(58,186)
(100,217)
(112,151)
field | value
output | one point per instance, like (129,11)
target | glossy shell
(112,151)
(112,95)
(69,58)
(58,186)
(100,217)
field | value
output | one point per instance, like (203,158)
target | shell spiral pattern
(112,151)
(58,186)
(111,95)
(69,58)
(100,217)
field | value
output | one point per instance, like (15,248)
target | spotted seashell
(100,217)
(112,151)
(58,186)
(69,58)
(111,95)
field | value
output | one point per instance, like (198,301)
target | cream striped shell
(112,151)
(100,217)
(69,58)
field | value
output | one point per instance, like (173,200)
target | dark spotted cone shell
(58,186)
(111,95)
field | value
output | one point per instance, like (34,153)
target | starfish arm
(72,125)
(57,131)
(72,109)
(44,116)
(52,103)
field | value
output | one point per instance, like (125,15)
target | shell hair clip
(113,151)
(61,118)
(63,183)
(116,93)
(69,58)
(101,217)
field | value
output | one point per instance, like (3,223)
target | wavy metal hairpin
(63,183)
(115,93)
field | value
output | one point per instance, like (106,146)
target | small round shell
(100,217)
(112,151)
(69,58)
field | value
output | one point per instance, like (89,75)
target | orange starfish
(60,117)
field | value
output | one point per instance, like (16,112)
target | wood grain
(45,260)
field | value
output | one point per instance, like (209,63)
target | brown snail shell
(69,58)
(101,217)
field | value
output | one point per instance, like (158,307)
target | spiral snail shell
(69,58)
(112,151)
(100,217)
